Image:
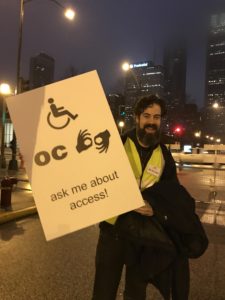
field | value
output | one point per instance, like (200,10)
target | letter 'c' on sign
(55,152)
(42,158)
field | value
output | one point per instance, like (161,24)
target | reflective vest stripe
(152,171)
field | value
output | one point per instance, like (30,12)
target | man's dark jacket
(163,243)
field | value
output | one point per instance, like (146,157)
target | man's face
(148,125)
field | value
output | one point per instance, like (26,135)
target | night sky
(104,34)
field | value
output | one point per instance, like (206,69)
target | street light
(121,125)
(215,105)
(126,66)
(132,90)
(69,14)
(198,134)
(5,90)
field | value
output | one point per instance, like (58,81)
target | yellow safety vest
(152,172)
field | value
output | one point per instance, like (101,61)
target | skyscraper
(41,70)
(215,77)
(175,64)
(142,79)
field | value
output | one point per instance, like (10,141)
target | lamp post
(121,125)
(4,91)
(69,14)
(215,105)
(127,68)
(132,90)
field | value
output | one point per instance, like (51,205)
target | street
(31,268)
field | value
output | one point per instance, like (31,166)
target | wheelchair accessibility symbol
(59,117)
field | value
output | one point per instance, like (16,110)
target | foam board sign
(77,166)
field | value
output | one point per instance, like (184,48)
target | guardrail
(218,159)
(205,182)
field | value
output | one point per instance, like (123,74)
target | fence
(205,183)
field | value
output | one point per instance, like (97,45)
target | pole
(3,161)
(13,164)
(215,164)
(19,50)
(57,3)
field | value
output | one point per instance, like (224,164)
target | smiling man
(148,120)
(149,240)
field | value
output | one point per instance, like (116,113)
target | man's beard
(149,139)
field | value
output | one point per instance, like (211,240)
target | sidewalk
(22,201)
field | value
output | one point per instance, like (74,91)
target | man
(124,240)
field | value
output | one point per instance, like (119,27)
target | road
(31,268)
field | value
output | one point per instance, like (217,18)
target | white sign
(75,160)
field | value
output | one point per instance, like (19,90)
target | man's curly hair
(145,102)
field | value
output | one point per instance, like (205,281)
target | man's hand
(145,210)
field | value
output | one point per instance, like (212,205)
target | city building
(175,66)
(143,79)
(214,119)
(115,101)
(41,70)
(122,114)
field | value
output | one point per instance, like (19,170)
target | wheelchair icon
(59,117)
(59,123)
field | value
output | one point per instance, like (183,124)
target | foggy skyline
(106,33)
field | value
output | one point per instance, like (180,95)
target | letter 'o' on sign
(42,158)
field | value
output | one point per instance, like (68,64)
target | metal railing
(205,183)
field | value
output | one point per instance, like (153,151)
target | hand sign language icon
(102,140)
(84,141)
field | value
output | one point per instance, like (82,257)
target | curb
(14,215)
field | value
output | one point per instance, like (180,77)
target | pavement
(22,202)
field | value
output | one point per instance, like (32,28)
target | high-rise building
(215,78)
(175,64)
(115,102)
(41,70)
(143,79)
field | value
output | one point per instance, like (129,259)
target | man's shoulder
(166,152)
(163,146)
(131,134)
